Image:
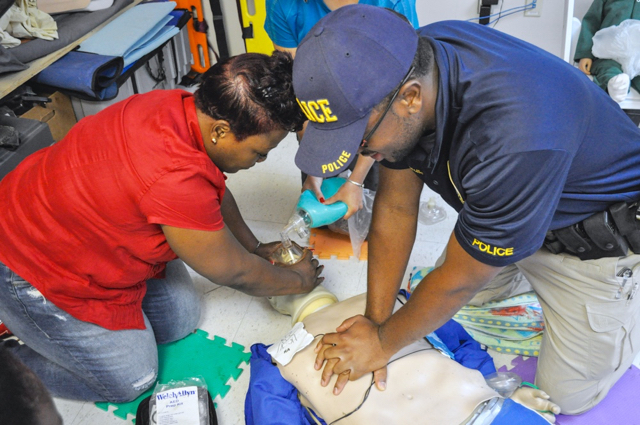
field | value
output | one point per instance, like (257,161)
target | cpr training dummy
(424,386)
(608,48)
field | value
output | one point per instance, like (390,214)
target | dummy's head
(23,397)
(351,66)
(250,107)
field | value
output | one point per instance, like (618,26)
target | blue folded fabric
(513,413)
(85,73)
(134,33)
(271,399)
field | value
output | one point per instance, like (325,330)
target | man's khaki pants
(592,321)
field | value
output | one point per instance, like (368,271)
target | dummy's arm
(219,257)
(538,400)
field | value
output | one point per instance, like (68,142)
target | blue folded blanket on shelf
(92,71)
(85,74)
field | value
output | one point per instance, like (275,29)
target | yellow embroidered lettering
(313,107)
(326,111)
(304,108)
(337,164)
(492,250)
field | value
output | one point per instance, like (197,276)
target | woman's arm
(234,221)
(219,257)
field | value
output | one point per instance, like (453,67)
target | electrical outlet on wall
(534,8)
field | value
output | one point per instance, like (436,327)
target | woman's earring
(213,140)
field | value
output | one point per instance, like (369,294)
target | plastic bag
(360,221)
(620,43)
(184,402)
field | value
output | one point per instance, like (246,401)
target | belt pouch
(625,219)
(607,241)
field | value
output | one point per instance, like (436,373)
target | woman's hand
(265,250)
(351,195)
(309,270)
(313,184)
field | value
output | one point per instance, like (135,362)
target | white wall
(581,7)
(547,31)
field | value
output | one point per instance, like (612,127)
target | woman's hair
(253,93)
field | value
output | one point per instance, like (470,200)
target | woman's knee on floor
(128,389)
(172,305)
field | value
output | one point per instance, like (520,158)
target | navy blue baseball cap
(345,66)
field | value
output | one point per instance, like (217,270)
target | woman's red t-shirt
(81,219)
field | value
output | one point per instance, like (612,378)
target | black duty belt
(610,233)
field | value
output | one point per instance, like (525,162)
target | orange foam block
(327,244)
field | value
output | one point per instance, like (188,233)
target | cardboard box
(57,114)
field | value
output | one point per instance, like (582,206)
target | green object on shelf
(193,356)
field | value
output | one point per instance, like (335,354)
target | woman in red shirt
(92,224)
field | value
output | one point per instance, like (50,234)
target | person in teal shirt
(288,21)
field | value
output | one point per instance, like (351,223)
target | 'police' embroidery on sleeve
(492,250)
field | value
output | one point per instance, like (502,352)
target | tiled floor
(266,195)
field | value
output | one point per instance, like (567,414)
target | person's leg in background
(80,360)
(591,325)
(608,74)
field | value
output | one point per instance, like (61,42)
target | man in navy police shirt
(520,143)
